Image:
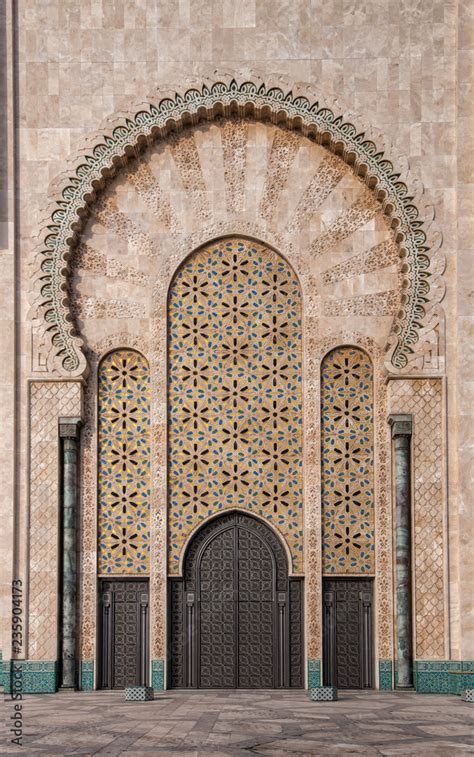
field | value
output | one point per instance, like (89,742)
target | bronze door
(124,633)
(236,617)
(348,654)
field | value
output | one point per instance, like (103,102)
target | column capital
(401,425)
(69,428)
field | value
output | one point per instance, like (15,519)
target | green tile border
(86,676)
(430,676)
(443,676)
(385,675)
(158,675)
(314,674)
(30,676)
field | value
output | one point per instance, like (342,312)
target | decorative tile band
(443,676)
(369,162)
(385,675)
(314,674)
(30,676)
(158,675)
(87,675)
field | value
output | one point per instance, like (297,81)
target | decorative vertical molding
(422,398)
(69,431)
(49,400)
(401,426)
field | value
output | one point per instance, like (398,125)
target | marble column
(69,431)
(401,426)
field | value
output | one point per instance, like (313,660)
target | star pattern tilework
(235,404)
(124,464)
(347,455)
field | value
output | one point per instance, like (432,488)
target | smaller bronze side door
(123,642)
(348,636)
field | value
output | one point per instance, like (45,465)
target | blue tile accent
(87,675)
(443,676)
(158,675)
(30,676)
(4,674)
(314,674)
(385,675)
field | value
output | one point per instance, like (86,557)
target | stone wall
(405,68)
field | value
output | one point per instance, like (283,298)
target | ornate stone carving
(296,109)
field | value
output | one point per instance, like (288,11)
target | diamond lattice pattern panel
(49,401)
(124,464)
(347,458)
(423,399)
(235,411)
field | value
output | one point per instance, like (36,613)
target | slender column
(401,439)
(69,430)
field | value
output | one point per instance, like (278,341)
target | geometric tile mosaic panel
(234,391)
(124,464)
(347,461)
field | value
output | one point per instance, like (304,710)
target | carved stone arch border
(296,108)
(383,512)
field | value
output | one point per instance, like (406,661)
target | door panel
(347,626)
(217,627)
(124,633)
(255,613)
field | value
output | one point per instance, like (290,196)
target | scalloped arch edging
(100,162)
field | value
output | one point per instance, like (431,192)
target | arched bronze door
(236,616)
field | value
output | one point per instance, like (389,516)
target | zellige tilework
(234,393)
(124,464)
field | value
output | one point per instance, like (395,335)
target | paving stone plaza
(239,723)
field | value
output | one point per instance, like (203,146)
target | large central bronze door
(236,617)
